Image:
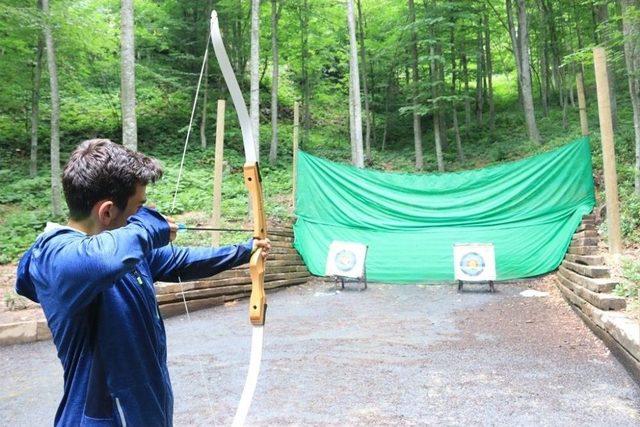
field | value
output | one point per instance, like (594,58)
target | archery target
(474,262)
(346,259)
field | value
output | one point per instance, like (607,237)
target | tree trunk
(35,104)
(467,99)
(417,126)
(238,38)
(525,78)
(444,138)
(582,104)
(365,89)
(550,27)
(352,127)
(255,74)
(304,34)
(515,43)
(56,184)
(205,95)
(372,117)
(565,121)
(594,19)
(631,31)
(570,89)
(354,81)
(543,57)
(275,16)
(128,76)
(602,14)
(572,98)
(441,84)
(436,136)
(454,78)
(264,70)
(456,129)
(372,88)
(386,111)
(479,74)
(544,77)
(578,24)
(489,72)
(435,111)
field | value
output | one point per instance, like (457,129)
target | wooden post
(608,152)
(217,173)
(296,129)
(582,105)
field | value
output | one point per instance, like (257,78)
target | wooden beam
(296,129)
(217,173)
(608,150)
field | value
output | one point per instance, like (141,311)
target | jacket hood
(24,283)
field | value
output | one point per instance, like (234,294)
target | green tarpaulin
(528,209)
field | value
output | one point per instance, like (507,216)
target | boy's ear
(106,211)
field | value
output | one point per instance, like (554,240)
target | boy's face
(134,203)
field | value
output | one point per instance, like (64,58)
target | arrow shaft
(242,230)
(245,230)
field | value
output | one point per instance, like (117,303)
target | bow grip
(258,299)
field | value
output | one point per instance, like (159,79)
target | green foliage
(23,210)
(631,272)
(24,201)
(19,231)
(629,215)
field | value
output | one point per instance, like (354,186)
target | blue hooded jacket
(98,297)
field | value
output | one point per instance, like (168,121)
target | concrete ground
(391,355)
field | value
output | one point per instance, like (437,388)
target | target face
(346,259)
(474,262)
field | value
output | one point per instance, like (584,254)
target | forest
(395,85)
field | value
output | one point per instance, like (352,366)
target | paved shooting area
(388,355)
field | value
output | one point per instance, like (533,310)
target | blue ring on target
(472,264)
(345,260)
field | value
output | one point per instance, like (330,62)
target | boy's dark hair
(99,169)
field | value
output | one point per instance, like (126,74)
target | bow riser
(257,301)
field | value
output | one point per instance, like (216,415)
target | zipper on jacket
(140,281)
(123,422)
(138,276)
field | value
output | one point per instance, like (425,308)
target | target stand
(491,286)
(474,263)
(346,263)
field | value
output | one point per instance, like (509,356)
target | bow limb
(248,139)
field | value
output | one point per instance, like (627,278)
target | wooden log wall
(583,272)
(283,268)
(585,282)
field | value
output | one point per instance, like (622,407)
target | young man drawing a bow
(94,279)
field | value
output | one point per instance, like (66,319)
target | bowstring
(193,111)
(172,210)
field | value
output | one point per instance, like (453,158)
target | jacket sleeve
(82,268)
(192,263)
